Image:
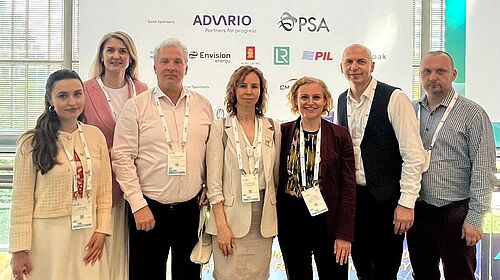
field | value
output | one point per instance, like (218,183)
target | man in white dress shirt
(389,158)
(159,161)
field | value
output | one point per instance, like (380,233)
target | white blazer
(224,184)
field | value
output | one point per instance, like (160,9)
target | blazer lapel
(102,110)
(267,148)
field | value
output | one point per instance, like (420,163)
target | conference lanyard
(72,161)
(317,157)
(168,139)
(108,98)
(443,119)
(257,148)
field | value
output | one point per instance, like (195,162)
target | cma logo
(311,24)
(222,20)
(311,55)
(286,85)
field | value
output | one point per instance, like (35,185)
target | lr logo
(281,55)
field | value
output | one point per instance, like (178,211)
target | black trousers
(176,228)
(300,236)
(436,235)
(376,250)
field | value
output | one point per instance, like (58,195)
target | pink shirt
(139,152)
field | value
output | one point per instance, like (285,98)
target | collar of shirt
(446,101)
(367,94)
(162,94)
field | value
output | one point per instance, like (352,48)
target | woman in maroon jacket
(316,194)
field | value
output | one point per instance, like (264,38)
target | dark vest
(382,160)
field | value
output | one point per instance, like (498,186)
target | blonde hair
(294,91)
(97,68)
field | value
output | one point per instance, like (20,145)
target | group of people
(109,154)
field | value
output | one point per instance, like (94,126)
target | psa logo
(312,55)
(281,55)
(250,53)
(311,24)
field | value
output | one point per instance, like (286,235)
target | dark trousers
(300,236)
(376,250)
(176,228)
(436,235)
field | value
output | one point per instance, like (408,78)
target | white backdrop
(482,55)
(228,27)
(289,38)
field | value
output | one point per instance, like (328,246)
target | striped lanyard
(72,160)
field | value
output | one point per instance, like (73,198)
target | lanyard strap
(108,98)
(257,148)
(157,95)
(317,157)
(443,119)
(72,161)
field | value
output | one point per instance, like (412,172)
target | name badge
(314,201)
(176,162)
(81,213)
(250,188)
(427,160)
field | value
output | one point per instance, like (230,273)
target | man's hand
(144,219)
(203,200)
(471,234)
(403,219)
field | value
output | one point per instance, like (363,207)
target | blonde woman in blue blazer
(242,173)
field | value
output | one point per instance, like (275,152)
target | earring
(51,108)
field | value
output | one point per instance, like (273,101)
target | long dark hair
(46,131)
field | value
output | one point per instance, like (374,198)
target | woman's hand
(94,248)
(20,264)
(342,249)
(226,240)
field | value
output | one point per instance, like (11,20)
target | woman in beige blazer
(242,173)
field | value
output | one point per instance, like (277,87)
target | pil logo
(315,55)
(250,52)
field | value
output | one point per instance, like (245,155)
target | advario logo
(312,24)
(225,24)
(222,20)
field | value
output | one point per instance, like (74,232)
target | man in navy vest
(389,159)
(456,188)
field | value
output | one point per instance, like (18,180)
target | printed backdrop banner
(285,39)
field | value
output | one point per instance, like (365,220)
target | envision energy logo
(281,55)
